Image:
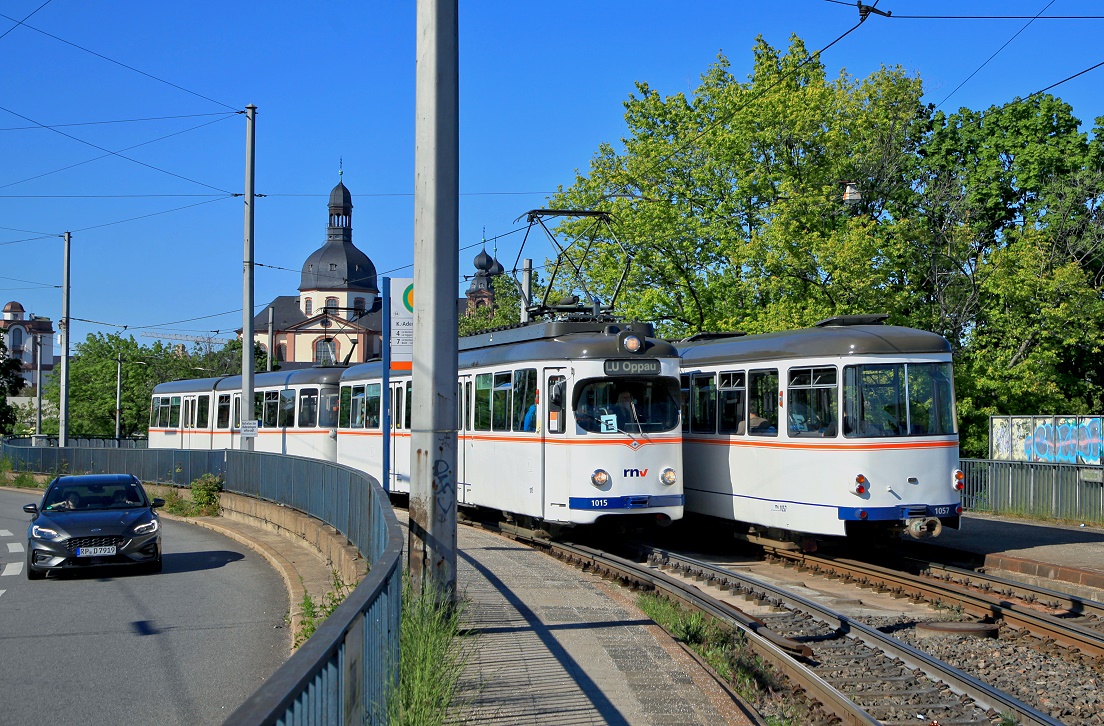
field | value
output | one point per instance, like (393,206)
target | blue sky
(157,239)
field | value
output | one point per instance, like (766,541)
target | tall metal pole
(433,478)
(118,392)
(38,384)
(526,288)
(248,412)
(385,403)
(270,336)
(63,404)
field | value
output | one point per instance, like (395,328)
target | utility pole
(118,395)
(247,410)
(270,336)
(433,480)
(63,405)
(38,384)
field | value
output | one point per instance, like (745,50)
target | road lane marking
(15,547)
(5,533)
(12,568)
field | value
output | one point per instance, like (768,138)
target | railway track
(1074,623)
(855,673)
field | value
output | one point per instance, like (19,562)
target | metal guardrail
(348,670)
(88,442)
(1021,488)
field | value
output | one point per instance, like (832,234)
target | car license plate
(95,551)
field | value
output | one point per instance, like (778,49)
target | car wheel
(155,566)
(33,573)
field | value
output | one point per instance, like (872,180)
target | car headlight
(600,478)
(147,527)
(668,476)
(43,532)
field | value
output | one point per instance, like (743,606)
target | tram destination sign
(633,367)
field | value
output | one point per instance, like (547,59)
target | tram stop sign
(249,429)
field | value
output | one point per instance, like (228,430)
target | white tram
(558,422)
(296,413)
(841,429)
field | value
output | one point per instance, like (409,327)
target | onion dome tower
(481,292)
(338,265)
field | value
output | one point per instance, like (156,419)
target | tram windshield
(899,399)
(627,405)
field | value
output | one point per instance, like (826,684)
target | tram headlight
(633,343)
(958,478)
(600,478)
(668,476)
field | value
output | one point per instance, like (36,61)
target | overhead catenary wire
(25,19)
(119,154)
(101,56)
(118,121)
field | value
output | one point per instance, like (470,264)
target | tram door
(463,437)
(552,409)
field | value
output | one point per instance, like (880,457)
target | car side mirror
(30,508)
(158,502)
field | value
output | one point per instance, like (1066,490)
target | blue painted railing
(348,670)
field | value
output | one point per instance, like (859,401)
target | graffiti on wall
(1050,439)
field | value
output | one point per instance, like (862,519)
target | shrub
(205,494)
(25,480)
(177,504)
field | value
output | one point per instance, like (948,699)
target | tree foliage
(94,370)
(983,226)
(11,383)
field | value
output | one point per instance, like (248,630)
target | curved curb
(292,581)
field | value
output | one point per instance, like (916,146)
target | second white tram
(841,429)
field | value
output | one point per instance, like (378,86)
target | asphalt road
(186,646)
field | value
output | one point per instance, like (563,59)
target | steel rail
(958,681)
(775,649)
(1022,590)
(1071,635)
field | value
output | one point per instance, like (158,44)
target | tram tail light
(959,479)
(861,484)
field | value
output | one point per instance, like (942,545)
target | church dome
(14,307)
(483,261)
(338,265)
(341,198)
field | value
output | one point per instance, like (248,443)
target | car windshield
(84,497)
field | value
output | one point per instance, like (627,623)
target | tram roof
(546,341)
(298,376)
(844,340)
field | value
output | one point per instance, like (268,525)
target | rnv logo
(636,472)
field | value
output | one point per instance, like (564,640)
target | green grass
(24,480)
(433,656)
(727,653)
(315,612)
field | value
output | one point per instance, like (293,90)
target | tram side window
(174,412)
(409,403)
(271,411)
(223,417)
(732,396)
(467,404)
(237,411)
(763,403)
(813,402)
(525,400)
(372,405)
(684,384)
(188,413)
(357,411)
(327,409)
(346,398)
(287,409)
(555,404)
(500,403)
(397,407)
(703,412)
(203,409)
(308,407)
(483,383)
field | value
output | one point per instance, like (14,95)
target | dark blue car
(93,520)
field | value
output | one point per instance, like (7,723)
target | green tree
(730,201)
(11,383)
